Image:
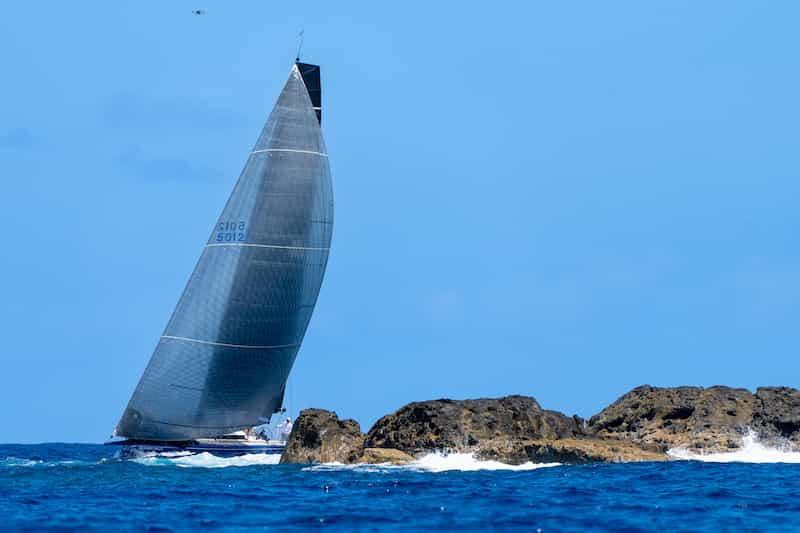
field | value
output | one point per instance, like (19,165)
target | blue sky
(558,199)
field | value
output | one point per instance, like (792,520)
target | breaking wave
(435,462)
(752,451)
(466,462)
(206,460)
(11,461)
(15,461)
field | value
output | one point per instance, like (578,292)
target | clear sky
(559,199)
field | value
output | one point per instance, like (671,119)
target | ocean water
(76,486)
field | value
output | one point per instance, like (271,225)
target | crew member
(284,429)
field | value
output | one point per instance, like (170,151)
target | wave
(466,462)
(206,460)
(11,461)
(181,459)
(435,462)
(752,451)
(16,461)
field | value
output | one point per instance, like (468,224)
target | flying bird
(199,12)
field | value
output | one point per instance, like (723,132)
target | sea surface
(81,486)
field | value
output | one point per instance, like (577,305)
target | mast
(224,358)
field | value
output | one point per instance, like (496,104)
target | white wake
(752,451)
(206,460)
(435,462)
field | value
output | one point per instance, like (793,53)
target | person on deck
(284,429)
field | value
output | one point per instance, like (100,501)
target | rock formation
(570,451)
(777,415)
(318,436)
(712,419)
(640,426)
(460,425)
(385,455)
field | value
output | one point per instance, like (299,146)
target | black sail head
(311,78)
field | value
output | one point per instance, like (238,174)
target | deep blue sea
(75,486)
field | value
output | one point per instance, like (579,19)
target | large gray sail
(223,360)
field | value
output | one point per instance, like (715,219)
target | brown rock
(590,450)
(777,415)
(711,419)
(568,451)
(385,455)
(460,425)
(318,436)
(640,426)
(508,451)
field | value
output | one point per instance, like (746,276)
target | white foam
(207,460)
(466,462)
(436,462)
(752,451)
(15,461)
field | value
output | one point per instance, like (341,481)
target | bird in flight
(199,12)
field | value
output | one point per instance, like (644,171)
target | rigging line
(300,46)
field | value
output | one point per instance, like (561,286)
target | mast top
(299,46)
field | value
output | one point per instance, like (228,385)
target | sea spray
(436,462)
(466,462)
(752,451)
(207,460)
(432,462)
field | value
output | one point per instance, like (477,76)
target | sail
(224,358)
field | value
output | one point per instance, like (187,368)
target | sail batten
(222,362)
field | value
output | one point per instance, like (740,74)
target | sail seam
(229,345)
(248,245)
(288,150)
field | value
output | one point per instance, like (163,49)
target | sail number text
(230,231)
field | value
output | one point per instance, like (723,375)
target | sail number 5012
(230,231)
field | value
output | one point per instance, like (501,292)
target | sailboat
(221,365)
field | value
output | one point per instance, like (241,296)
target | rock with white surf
(461,425)
(512,430)
(777,416)
(642,425)
(318,436)
(703,420)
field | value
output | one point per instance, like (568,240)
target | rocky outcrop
(318,436)
(385,455)
(777,416)
(568,451)
(640,426)
(710,419)
(461,425)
